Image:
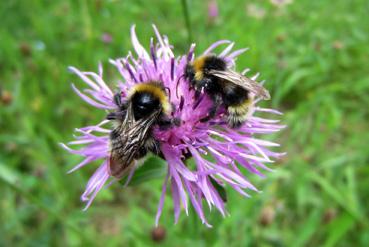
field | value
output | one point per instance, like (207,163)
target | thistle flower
(221,154)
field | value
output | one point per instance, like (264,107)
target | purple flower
(233,152)
(106,38)
(213,10)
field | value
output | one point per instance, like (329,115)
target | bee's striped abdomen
(237,114)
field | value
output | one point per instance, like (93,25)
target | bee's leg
(111,116)
(122,108)
(155,147)
(118,99)
(119,115)
(141,152)
(202,87)
(217,101)
(151,145)
(205,84)
(157,150)
(165,122)
(186,154)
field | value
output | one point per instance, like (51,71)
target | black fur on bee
(209,74)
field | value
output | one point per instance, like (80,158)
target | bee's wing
(130,136)
(242,81)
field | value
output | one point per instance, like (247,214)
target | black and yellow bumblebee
(146,105)
(226,87)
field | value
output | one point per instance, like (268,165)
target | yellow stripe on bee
(198,66)
(199,75)
(240,109)
(156,90)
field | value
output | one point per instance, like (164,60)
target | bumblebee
(147,104)
(226,87)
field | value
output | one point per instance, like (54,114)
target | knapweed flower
(213,11)
(221,155)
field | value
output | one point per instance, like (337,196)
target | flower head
(213,11)
(221,154)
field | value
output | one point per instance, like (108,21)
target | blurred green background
(314,56)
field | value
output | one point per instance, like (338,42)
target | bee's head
(146,98)
(144,104)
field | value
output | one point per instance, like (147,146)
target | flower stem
(186,16)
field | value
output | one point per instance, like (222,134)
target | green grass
(314,56)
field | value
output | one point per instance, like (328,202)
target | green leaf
(335,194)
(8,175)
(13,181)
(289,84)
(308,228)
(152,168)
(338,228)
